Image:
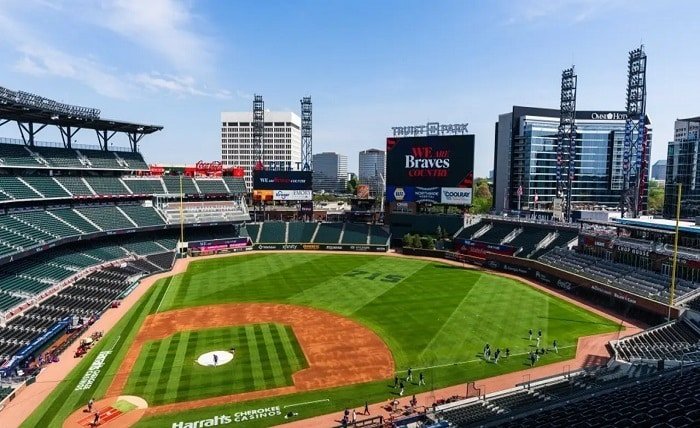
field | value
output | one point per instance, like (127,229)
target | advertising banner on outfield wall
(322,247)
(427,195)
(292,195)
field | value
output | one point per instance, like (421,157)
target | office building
(658,170)
(372,170)
(525,159)
(282,141)
(683,166)
(330,172)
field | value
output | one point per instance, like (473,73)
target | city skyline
(180,64)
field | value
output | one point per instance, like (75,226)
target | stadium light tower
(259,132)
(306,145)
(635,143)
(566,138)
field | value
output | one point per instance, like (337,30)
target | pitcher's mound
(215,358)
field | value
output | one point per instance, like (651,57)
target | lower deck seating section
(639,281)
(676,341)
(355,233)
(470,230)
(272,232)
(145,186)
(236,185)
(43,220)
(252,229)
(47,186)
(86,298)
(107,185)
(328,233)
(662,400)
(211,185)
(497,233)
(143,216)
(75,185)
(107,217)
(377,235)
(74,219)
(13,188)
(172,185)
(300,233)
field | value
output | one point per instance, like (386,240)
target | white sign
(609,116)
(244,416)
(430,128)
(93,371)
(456,195)
(292,195)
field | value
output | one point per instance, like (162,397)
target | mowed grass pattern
(429,314)
(167,370)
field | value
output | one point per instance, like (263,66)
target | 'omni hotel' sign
(430,128)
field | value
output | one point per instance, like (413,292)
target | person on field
(354,416)
(421,379)
(90,404)
(96,419)
(556,348)
(216,359)
(409,377)
(496,355)
(401,389)
(396,381)
(366,408)
(532,358)
(507,352)
(538,341)
(530,332)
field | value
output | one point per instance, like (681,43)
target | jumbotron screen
(437,169)
(282,180)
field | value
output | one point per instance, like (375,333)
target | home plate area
(215,358)
(122,411)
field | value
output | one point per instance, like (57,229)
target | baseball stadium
(151,296)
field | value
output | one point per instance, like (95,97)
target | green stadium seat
(145,186)
(71,217)
(355,234)
(143,216)
(75,185)
(236,185)
(172,184)
(272,232)
(108,217)
(328,233)
(59,157)
(378,236)
(43,220)
(301,233)
(17,155)
(14,188)
(47,186)
(211,185)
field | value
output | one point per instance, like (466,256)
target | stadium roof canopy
(29,110)
(660,224)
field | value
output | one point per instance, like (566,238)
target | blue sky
(368,65)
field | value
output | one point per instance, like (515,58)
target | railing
(56,144)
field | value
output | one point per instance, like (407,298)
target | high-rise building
(658,170)
(282,141)
(525,159)
(330,172)
(372,170)
(683,166)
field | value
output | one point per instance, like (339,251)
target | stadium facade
(330,172)
(281,144)
(683,166)
(525,159)
(372,170)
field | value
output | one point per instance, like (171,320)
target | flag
(537,198)
(520,190)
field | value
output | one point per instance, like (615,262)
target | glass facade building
(683,166)
(330,172)
(526,158)
(372,170)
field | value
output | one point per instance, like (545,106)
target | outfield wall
(620,301)
(323,247)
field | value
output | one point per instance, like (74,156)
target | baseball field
(313,334)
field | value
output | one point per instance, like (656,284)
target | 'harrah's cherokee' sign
(432,161)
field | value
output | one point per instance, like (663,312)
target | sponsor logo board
(400,194)
(456,195)
(292,195)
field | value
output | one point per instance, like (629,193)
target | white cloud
(178,85)
(165,27)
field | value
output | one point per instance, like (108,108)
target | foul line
(470,361)
(114,344)
(306,402)
(167,288)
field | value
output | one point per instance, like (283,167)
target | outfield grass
(435,318)
(167,370)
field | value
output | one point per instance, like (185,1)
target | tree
(438,232)
(416,241)
(407,240)
(352,185)
(656,197)
(482,199)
